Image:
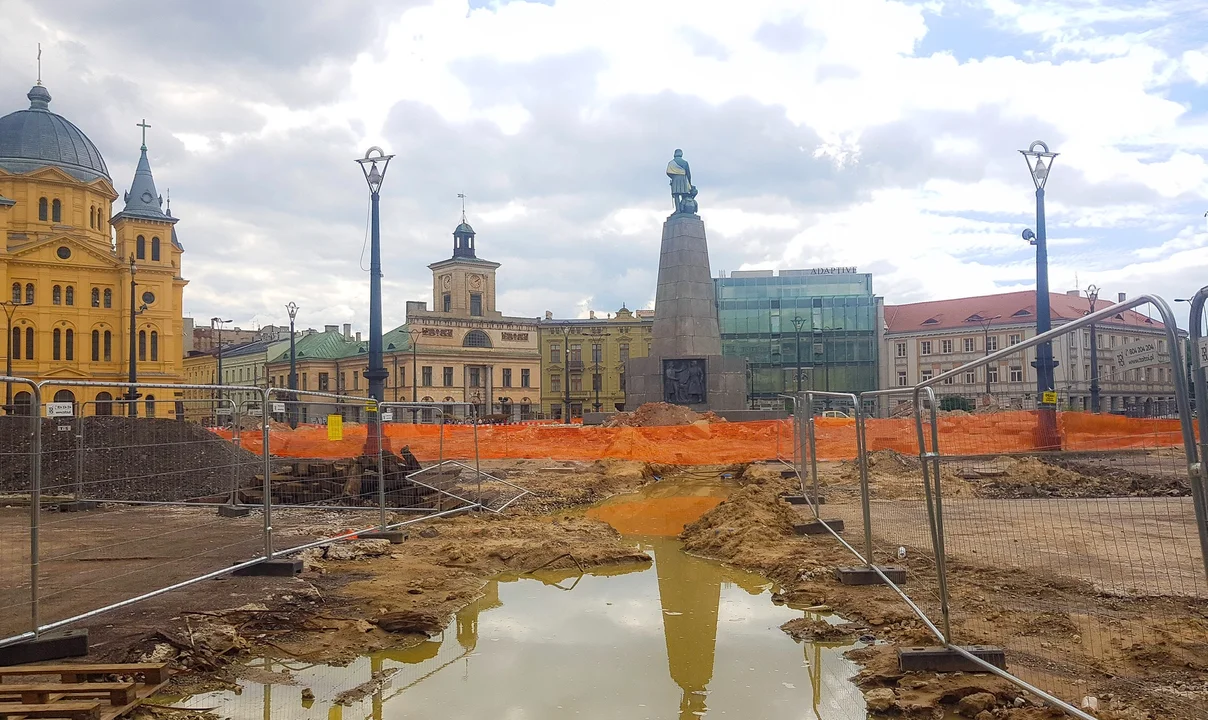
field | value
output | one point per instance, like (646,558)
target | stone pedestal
(686,366)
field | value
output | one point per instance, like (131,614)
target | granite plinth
(725,379)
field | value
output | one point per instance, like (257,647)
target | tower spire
(39,63)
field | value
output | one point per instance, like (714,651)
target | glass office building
(826,321)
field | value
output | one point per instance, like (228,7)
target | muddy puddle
(683,638)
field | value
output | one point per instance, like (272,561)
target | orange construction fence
(721,443)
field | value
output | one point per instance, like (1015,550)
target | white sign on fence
(278,407)
(1202,351)
(254,412)
(60,409)
(1139,354)
(223,411)
(387,416)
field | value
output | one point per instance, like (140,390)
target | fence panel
(1077,551)
(20,437)
(131,497)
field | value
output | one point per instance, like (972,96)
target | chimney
(358,335)
(331,328)
(591,314)
(1121,297)
(347,330)
(1074,293)
(549,315)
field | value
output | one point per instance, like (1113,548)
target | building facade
(68,261)
(583,361)
(825,321)
(464,351)
(925,339)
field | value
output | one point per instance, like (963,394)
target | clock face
(476,281)
(446,282)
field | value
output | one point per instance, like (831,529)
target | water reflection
(687,639)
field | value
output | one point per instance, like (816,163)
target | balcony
(574,365)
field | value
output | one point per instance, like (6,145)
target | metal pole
(293,371)
(267,485)
(381,470)
(377,372)
(35,504)
(1044,352)
(220,379)
(986,346)
(797,331)
(132,396)
(862,456)
(1093,296)
(9,309)
(79,479)
(1198,471)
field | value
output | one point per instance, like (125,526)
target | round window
(63,252)
(148,297)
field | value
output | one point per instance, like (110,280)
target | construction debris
(661,414)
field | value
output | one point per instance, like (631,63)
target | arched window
(154,248)
(154,346)
(56,295)
(71,295)
(108,346)
(140,247)
(104,403)
(96,297)
(17,293)
(56,346)
(150,406)
(142,344)
(70,344)
(476,338)
(56,211)
(22,401)
(16,343)
(96,345)
(108,298)
(29,293)
(64,396)
(92,217)
(29,343)
(42,209)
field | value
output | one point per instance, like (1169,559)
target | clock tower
(464,285)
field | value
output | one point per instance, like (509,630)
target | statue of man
(681,179)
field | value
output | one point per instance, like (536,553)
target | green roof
(398,338)
(324,346)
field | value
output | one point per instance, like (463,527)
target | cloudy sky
(865,132)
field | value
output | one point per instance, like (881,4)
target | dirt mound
(660,415)
(124,458)
(1030,477)
(753,516)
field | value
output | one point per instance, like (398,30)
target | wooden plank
(118,693)
(155,673)
(73,710)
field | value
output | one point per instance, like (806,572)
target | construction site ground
(356,597)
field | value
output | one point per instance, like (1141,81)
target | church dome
(463,228)
(36,138)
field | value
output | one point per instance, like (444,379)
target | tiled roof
(1007,309)
(324,346)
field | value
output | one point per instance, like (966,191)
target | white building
(925,339)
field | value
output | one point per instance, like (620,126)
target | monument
(685,366)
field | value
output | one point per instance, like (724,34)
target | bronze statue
(682,190)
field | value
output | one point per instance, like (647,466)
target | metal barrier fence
(107,509)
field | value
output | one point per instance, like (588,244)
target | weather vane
(463,206)
(39,63)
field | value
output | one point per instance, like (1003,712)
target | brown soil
(660,414)
(753,530)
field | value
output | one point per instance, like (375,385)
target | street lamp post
(566,380)
(216,323)
(1092,294)
(132,395)
(414,334)
(10,307)
(826,358)
(292,309)
(985,326)
(1040,162)
(376,374)
(798,323)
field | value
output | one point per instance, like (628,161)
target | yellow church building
(67,263)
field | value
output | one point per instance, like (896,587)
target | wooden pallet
(81,691)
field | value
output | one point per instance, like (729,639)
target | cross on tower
(144,126)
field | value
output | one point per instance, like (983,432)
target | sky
(871,133)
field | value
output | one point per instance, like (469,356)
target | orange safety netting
(721,443)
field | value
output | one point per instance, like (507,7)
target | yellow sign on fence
(1048,397)
(335,427)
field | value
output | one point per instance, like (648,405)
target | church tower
(464,285)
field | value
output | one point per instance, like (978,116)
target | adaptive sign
(832,271)
(1139,354)
(1202,351)
(60,409)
